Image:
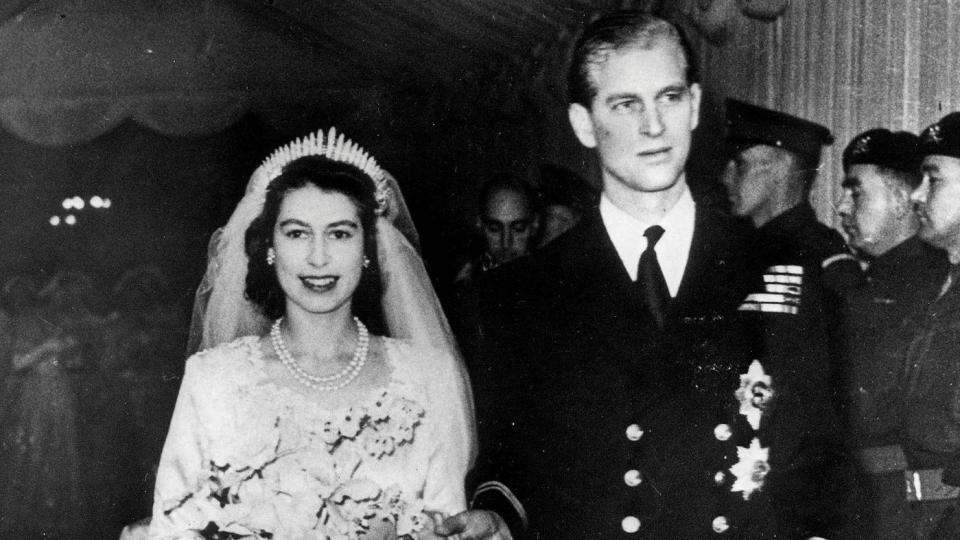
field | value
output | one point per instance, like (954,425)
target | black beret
(942,138)
(749,125)
(899,151)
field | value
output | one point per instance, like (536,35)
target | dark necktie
(653,286)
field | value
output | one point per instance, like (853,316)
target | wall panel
(850,65)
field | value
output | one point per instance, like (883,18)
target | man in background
(566,197)
(928,399)
(774,161)
(507,224)
(904,277)
(775,158)
(506,229)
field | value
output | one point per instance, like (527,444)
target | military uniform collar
(792,220)
(893,260)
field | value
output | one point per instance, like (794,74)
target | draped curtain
(851,65)
(461,88)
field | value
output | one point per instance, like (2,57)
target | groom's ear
(582,124)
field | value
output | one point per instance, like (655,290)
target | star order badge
(755,393)
(751,469)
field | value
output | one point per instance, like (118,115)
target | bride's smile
(319,249)
(319,284)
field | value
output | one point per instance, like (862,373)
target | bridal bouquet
(297,483)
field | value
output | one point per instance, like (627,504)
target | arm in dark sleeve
(496,480)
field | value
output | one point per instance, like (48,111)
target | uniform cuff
(496,497)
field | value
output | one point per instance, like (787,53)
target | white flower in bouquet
(285,481)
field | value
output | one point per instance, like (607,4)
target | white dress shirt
(673,249)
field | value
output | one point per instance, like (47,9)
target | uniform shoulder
(829,240)
(714,218)
(730,236)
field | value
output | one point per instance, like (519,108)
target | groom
(606,386)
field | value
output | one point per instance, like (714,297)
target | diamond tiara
(333,147)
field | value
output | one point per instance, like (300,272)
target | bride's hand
(427,534)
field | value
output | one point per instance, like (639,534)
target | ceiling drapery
(851,66)
(72,69)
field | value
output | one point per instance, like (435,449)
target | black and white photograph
(479,269)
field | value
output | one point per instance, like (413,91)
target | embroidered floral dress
(254,457)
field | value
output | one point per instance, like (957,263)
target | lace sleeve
(182,458)
(450,459)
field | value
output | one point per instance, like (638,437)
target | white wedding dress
(256,456)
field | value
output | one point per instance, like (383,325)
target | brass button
(634,432)
(720,525)
(632,478)
(630,524)
(722,432)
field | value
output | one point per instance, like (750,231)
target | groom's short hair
(614,32)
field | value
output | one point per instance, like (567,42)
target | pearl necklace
(326,382)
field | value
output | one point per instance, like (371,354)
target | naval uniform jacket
(602,426)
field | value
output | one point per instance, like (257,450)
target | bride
(296,420)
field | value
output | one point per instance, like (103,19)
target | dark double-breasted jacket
(603,426)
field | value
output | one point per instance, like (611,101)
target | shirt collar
(619,223)
(626,234)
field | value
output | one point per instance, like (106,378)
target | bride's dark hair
(262,286)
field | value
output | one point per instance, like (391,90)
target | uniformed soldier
(621,391)
(881,169)
(775,158)
(925,409)
(774,161)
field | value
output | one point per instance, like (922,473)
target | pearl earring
(271,256)
(366,262)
